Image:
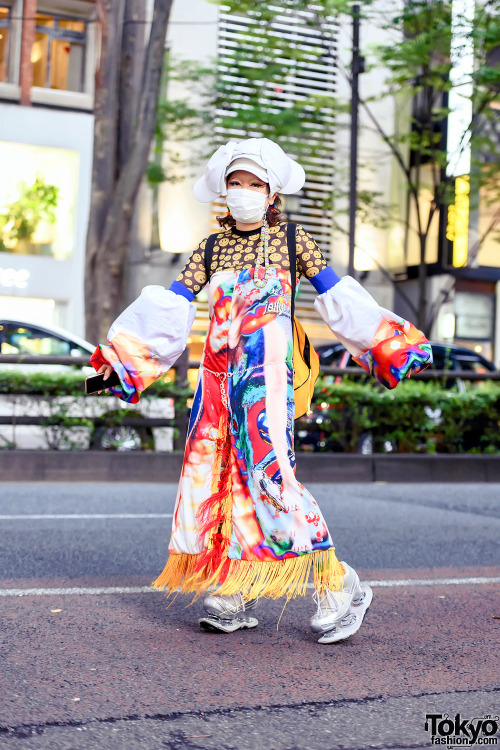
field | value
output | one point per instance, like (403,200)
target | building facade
(225,40)
(47,63)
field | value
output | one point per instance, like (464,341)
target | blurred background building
(47,63)
(47,59)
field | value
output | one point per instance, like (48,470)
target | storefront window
(5,33)
(489,228)
(58,53)
(474,315)
(38,193)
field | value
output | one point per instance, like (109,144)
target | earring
(228,211)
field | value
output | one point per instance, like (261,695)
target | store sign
(14,277)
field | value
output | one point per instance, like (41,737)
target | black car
(446,357)
(310,433)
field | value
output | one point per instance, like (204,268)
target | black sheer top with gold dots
(235,249)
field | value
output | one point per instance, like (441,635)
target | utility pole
(357,67)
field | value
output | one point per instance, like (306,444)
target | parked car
(446,357)
(27,337)
(311,435)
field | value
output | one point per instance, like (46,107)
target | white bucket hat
(283,174)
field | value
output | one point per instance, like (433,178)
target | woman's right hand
(105,370)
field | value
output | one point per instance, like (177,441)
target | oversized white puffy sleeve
(146,340)
(384,344)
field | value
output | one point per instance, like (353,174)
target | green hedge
(72,384)
(58,397)
(416,417)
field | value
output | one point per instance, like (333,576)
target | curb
(104,466)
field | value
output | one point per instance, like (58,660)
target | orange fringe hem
(255,579)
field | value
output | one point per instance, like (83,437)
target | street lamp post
(357,68)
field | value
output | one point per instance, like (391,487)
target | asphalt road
(91,658)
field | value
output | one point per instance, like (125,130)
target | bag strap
(292,254)
(209,251)
(291,242)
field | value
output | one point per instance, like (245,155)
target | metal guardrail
(424,375)
(357,372)
(40,359)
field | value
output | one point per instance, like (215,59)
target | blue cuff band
(324,280)
(177,288)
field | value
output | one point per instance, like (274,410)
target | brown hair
(274,216)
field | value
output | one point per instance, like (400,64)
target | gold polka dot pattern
(236,252)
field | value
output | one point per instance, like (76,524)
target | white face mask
(247,206)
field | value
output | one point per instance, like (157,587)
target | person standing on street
(243,527)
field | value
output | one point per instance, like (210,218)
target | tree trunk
(104,159)
(132,63)
(422,286)
(124,127)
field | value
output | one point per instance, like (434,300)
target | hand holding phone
(97,383)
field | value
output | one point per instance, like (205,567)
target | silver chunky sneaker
(351,622)
(227,613)
(340,613)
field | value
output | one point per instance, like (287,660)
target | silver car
(22,337)
(27,337)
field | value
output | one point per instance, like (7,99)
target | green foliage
(73,384)
(178,121)
(416,417)
(71,420)
(20,219)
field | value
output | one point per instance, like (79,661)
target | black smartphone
(97,383)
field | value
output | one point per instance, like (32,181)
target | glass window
(471,364)
(5,40)
(442,359)
(38,194)
(489,254)
(58,53)
(24,340)
(78,351)
(474,315)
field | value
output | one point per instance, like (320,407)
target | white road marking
(435,581)
(79,516)
(76,591)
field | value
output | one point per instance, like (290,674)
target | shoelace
(331,604)
(231,605)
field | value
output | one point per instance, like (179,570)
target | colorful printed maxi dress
(242,521)
(241,518)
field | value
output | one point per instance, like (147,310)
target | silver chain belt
(224,375)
